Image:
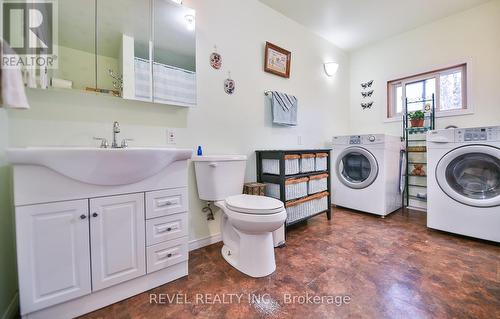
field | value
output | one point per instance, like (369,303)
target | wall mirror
(132,49)
(174,47)
(77,63)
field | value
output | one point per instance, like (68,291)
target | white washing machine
(464,181)
(366,174)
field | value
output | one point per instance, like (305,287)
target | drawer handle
(163,254)
(212,164)
(82,216)
(163,204)
(162,229)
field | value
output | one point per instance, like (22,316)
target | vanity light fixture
(331,68)
(190,21)
(177,1)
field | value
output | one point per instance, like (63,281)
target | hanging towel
(284,108)
(12,92)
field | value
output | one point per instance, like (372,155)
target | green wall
(8,274)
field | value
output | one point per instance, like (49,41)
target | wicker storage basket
(273,190)
(272,166)
(254,189)
(306,207)
(317,184)
(307,163)
(294,188)
(321,161)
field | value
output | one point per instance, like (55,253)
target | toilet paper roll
(61,83)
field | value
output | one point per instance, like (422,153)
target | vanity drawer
(166,202)
(166,254)
(166,228)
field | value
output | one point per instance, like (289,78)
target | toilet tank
(219,176)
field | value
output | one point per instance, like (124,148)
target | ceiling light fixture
(331,68)
(190,21)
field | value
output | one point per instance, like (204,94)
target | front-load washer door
(356,167)
(471,175)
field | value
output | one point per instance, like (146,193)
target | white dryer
(464,181)
(365,174)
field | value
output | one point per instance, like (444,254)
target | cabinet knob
(83,216)
(169,229)
(169,255)
(95,214)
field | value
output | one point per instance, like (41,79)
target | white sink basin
(100,166)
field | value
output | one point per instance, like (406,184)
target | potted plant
(417,118)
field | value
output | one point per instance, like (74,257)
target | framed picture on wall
(277,60)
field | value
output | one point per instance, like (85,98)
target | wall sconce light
(331,68)
(190,22)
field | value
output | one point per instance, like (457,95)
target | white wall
(471,36)
(238,124)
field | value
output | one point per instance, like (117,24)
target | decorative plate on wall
(229,84)
(215,60)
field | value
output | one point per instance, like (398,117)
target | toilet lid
(252,204)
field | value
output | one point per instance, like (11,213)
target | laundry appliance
(464,181)
(366,174)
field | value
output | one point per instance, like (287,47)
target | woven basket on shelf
(294,188)
(306,207)
(307,163)
(321,161)
(317,183)
(272,166)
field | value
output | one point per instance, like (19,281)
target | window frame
(392,85)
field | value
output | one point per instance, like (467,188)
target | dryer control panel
(477,134)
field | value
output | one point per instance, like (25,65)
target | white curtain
(171,85)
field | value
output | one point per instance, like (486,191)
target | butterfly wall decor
(367,94)
(366,85)
(367,105)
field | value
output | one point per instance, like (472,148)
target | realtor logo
(29,27)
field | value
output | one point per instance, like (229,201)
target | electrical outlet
(171,136)
(299,140)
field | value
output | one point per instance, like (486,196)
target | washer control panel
(355,139)
(477,134)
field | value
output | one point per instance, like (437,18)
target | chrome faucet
(116,130)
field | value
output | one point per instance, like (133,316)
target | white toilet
(248,222)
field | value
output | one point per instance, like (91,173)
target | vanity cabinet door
(53,253)
(118,240)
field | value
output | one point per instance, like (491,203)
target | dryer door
(471,175)
(356,167)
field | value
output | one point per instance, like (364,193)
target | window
(448,85)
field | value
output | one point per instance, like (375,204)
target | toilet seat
(254,205)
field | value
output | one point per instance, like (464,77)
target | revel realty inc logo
(30,29)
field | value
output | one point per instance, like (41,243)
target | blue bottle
(200,151)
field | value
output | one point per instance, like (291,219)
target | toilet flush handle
(212,164)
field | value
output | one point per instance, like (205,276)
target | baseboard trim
(205,241)
(422,209)
(13,308)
